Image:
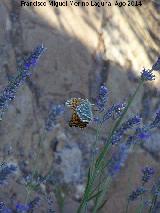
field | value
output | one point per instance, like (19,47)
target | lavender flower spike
(34,203)
(124,127)
(118,159)
(135,194)
(28,207)
(8,94)
(147,75)
(156,122)
(102,98)
(56,111)
(4,209)
(156,65)
(156,188)
(143,132)
(34,57)
(148,173)
(114,111)
(6,171)
(22,208)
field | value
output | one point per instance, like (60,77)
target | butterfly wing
(84,111)
(73,103)
(75,121)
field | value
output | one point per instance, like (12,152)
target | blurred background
(86,47)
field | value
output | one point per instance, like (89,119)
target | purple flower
(156,121)
(156,65)
(135,194)
(156,207)
(143,133)
(34,203)
(34,181)
(148,173)
(156,188)
(118,159)
(114,111)
(5,171)
(1,205)
(22,208)
(116,137)
(56,111)
(4,209)
(96,119)
(132,139)
(102,98)
(50,204)
(147,75)
(147,203)
(8,94)
(32,60)
(103,91)
(118,109)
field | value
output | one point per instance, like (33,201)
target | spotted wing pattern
(81,112)
(75,121)
(84,111)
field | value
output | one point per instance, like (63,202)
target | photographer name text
(80,3)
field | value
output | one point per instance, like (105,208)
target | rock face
(86,47)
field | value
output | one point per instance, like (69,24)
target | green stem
(94,148)
(141,206)
(28,193)
(129,179)
(99,161)
(99,199)
(106,147)
(127,206)
(99,189)
(29,190)
(154,200)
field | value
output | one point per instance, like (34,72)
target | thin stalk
(99,160)
(129,179)
(99,184)
(104,190)
(28,193)
(34,170)
(140,208)
(154,200)
(101,206)
(105,149)
(127,206)
(99,188)
(99,200)
(88,188)
(94,148)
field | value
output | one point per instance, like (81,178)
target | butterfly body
(73,103)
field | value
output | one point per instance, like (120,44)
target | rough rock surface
(86,47)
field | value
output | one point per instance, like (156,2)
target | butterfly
(81,112)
